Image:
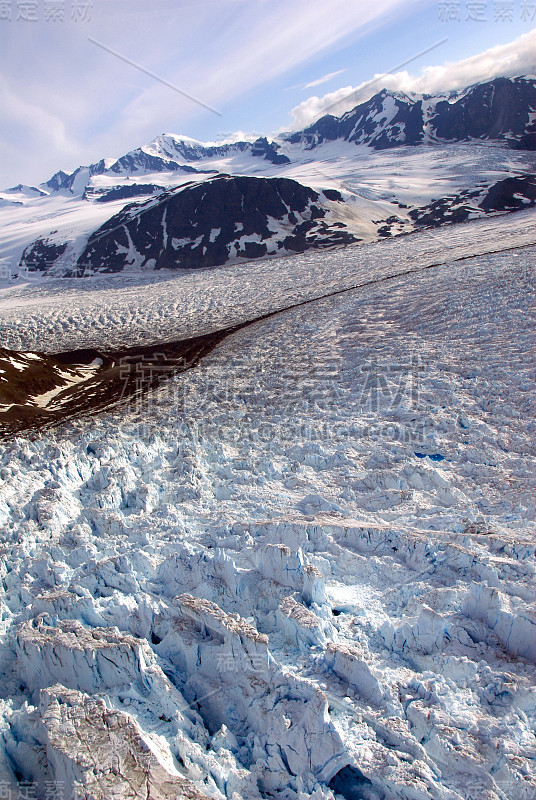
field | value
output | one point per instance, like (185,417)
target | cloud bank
(508,60)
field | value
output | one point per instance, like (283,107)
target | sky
(85,79)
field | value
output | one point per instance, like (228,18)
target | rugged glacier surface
(54,315)
(302,570)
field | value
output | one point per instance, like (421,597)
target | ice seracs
(101,753)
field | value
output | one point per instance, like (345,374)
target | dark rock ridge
(509,194)
(173,147)
(386,120)
(21,187)
(213,222)
(130,164)
(139,161)
(170,149)
(57,181)
(28,375)
(262,148)
(39,390)
(497,110)
(41,255)
(122,192)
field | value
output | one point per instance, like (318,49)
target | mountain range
(179,203)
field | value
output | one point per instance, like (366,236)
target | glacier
(302,570)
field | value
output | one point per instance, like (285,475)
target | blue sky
(67,101)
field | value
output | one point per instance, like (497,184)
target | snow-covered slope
(204,224)
(302,570)
(34,379)
(501,109)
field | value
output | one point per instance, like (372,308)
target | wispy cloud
(158,78)
(103,106)
(508,60)
(324,79)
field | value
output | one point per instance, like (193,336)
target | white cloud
(508,60)
(324,79)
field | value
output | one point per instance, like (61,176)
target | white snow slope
(304,569)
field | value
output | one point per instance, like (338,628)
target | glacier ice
(254,587)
